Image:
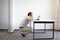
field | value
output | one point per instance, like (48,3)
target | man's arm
(30,18)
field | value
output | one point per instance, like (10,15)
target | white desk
(45,22)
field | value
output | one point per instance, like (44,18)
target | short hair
(29,13)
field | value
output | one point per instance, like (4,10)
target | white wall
(47,9)
(4,14)
(44,8)
(58,14)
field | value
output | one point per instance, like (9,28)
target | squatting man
(23,26)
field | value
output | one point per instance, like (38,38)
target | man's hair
(29,13)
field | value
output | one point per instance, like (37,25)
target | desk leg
(53,30)
(33,31)
(44,27)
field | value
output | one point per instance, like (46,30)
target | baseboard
(3,29)
(57,30)
(40,29)
(16,30)
(36,29)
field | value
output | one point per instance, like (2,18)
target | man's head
(29,13)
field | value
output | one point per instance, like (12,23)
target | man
(23,27)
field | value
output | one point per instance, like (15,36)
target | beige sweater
(25,21)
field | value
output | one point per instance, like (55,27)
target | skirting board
(3,29)
(56,30)
(18,29)
(39,29)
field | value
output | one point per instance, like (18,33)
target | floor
(4,35)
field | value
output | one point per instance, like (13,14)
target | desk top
(43,20)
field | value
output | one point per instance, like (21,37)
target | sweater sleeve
(30,18)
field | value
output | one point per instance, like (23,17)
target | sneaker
(23,35)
